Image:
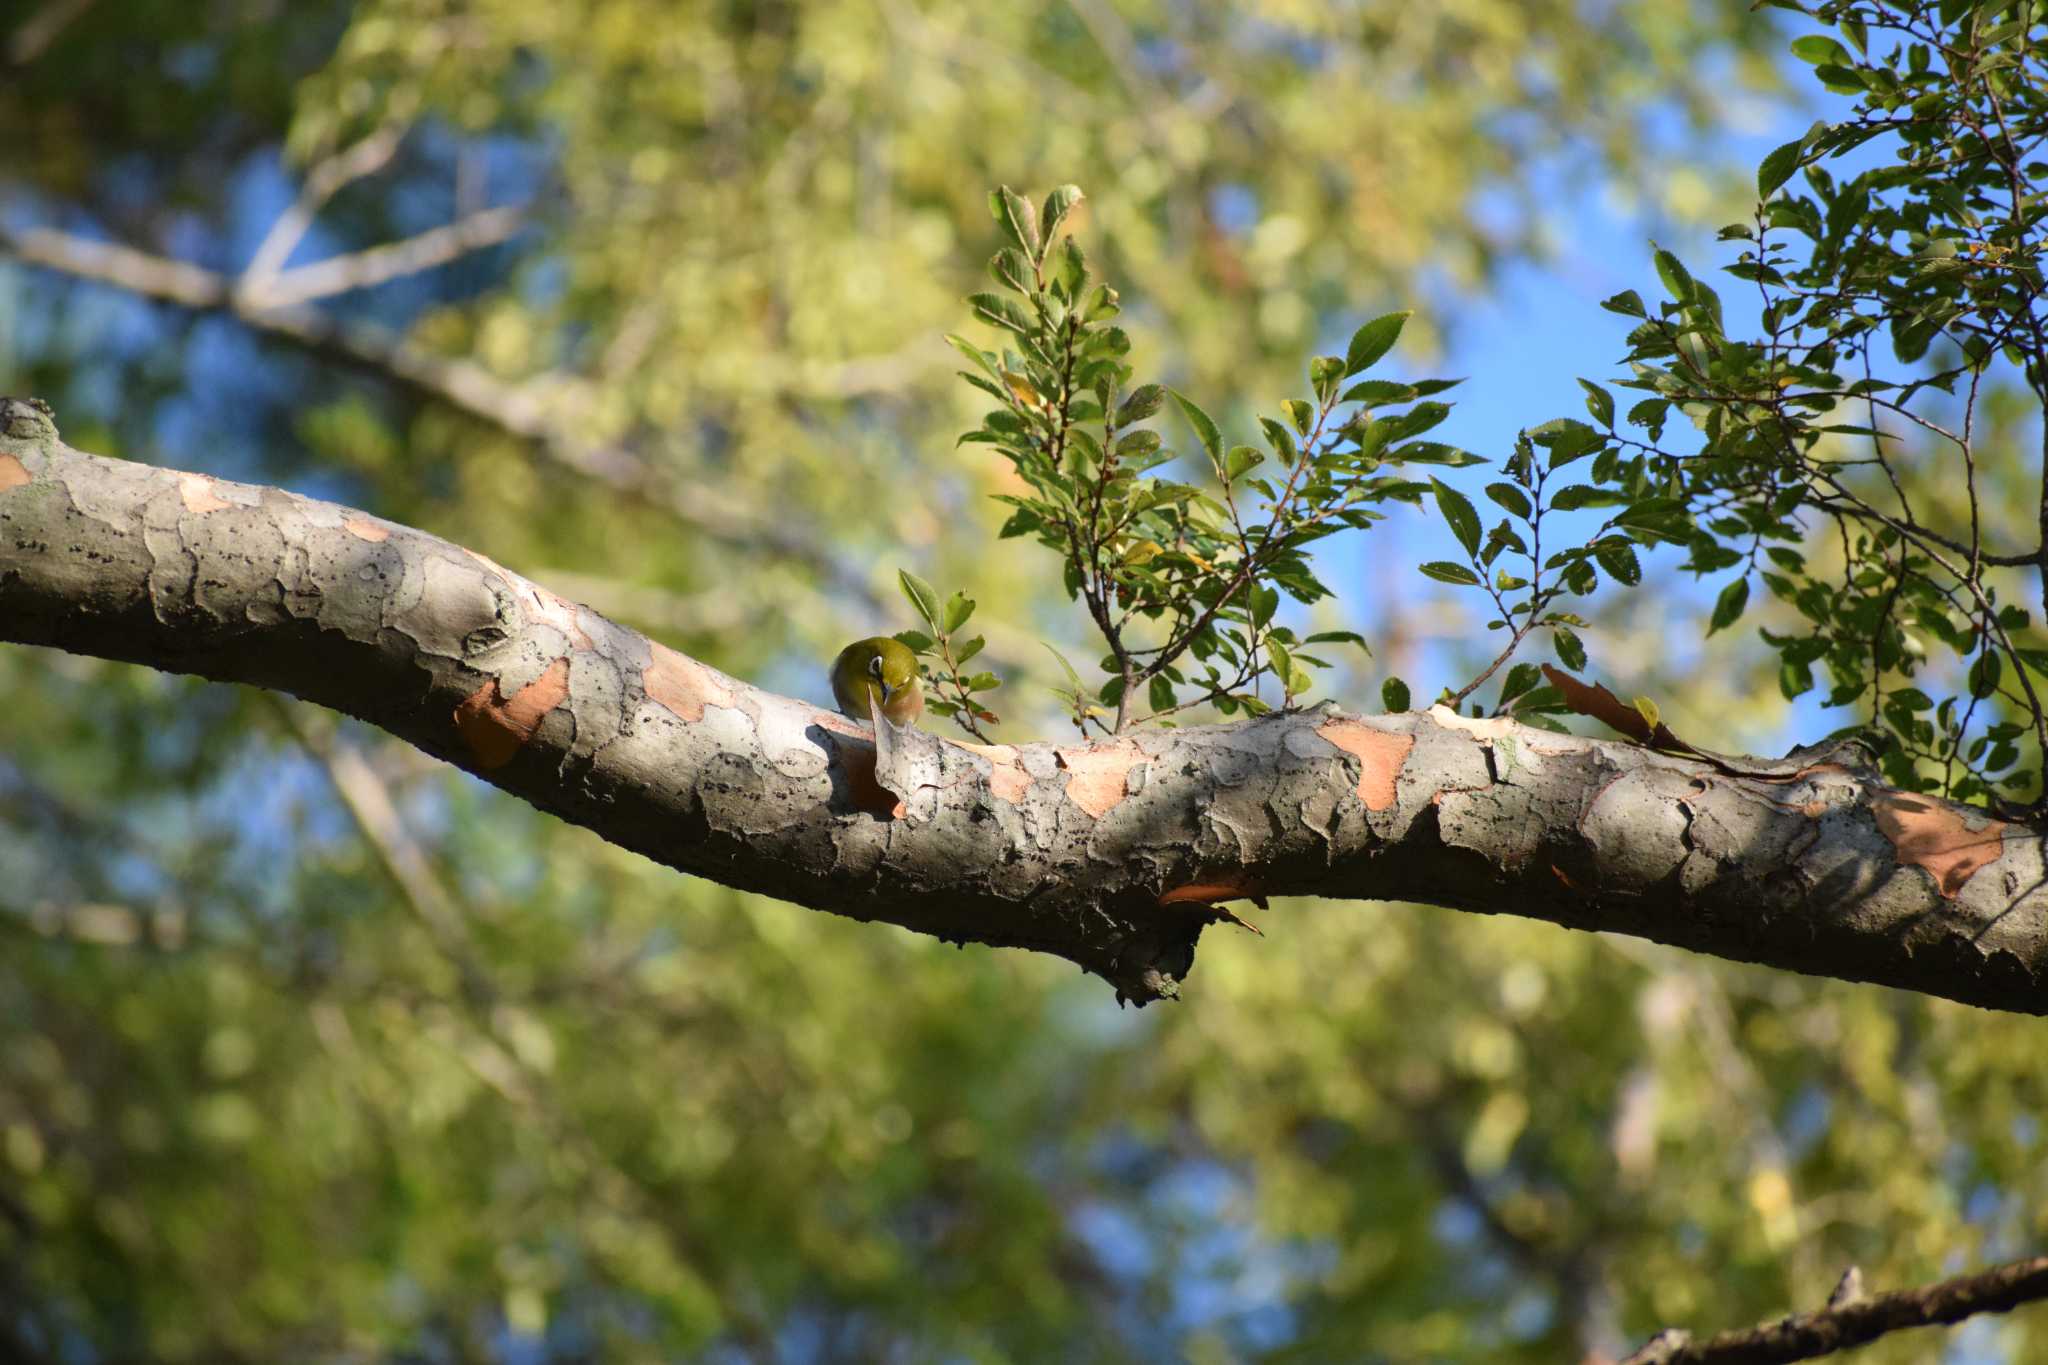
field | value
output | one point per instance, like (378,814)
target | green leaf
(967,650)
(1073,269)
(1301,413)
(1140,403)
(1160,693)
(1374,392)
(1728,606)
(958,608)
(1599,402)
(1817,49)
(1282,661)
(1136,444)
(1677,279)
(1520,679)
(1204,425)
(1647,709)
(1618,557)
(1008,267)
(922,596)
(1511,499)
(1325,373)
(1243,459)
(975,354)
(1777,168)
(1458,511)
(1058,205)
(1012,212)
(1066,668)
(1444,571)
(1394,694)
(1374,340)
(1002,312)
(1280,438)
(1628,303)
(916,640)
(1571,651)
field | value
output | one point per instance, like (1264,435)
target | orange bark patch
(197,491)
(496,728)
(1009,782)
(1207,892)
(868,793)
(1380,756)
(362,528)
(1938,838)
(682,684)
(1099,773)
(13,473)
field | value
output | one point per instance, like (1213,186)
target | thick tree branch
(1852,1319)
(1111,854)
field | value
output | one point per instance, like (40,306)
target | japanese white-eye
(878,675)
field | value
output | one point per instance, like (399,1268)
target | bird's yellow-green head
(883,670)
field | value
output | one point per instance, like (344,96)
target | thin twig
(1857,1322)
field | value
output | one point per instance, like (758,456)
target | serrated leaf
(1374,392)
(1571,651)
(958,608)
(1280,438)
(1459,513)
(1140,403)
(922,596)
(1618,557)
(1774,170)
(1628,303)
(1444,571)
(1374,340)
(1599,402)
(1394,694)
(1677,279)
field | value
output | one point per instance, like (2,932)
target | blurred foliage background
(311,1048)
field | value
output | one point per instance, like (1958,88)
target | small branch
(541,409)
(393,260)
(1858,1321)
(326,179)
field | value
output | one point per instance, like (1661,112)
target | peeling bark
(1107,854)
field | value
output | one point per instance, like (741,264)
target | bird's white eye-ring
(875,665)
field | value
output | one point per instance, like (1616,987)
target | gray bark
(1113,854)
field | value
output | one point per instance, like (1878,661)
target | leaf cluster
(1181,557)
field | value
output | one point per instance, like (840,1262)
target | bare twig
(393,260)
(323,181)
(542,410)
(1854,1321)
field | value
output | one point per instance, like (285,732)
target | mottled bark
(1111,854)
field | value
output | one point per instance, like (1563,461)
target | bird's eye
(875,665)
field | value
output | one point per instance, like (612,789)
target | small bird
(878,677)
